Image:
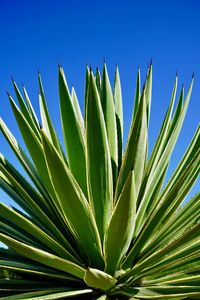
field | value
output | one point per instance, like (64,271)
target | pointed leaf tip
(8,94)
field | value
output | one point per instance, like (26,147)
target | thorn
(104,61)
(23,86)
(59,66)
(116,69)
(12,80)
(90,68)
(8,94)
(176,73)
(87,68)
(193,75)
(151,61)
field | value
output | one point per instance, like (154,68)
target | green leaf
(50,295)
(35,232)
(154,219)
(119,115)
(34,268)
(33,144)
(99,170)
(31,109)
(27,115)
(185,251)
(108,108)
(34,201)
(44,257)
(162,136)
(174,279)
(78,111)
(30,168)
(188,240)
(148,91)
(46,119)
(189,162)
(121,226)
(164,160)
(183,219)
(72,132)
(73,204)
(23,159)
(103,297)
(179,223)
(12,230)
(161,292)
(98,80)
(170,200)
(135,153)
(137,95)
(86,91)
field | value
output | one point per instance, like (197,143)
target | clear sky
(40,34)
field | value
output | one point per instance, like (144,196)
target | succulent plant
(95,221)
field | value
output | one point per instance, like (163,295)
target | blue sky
(40,34)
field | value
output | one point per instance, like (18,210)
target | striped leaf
(73,203)
(135,153)
(99,171)
(44,257)
(119,115)
(108,108)
(121,226)
(72,133)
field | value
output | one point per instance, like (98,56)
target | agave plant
(95,221)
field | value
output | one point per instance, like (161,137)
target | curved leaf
(73,204)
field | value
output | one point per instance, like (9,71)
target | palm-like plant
(97,223)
